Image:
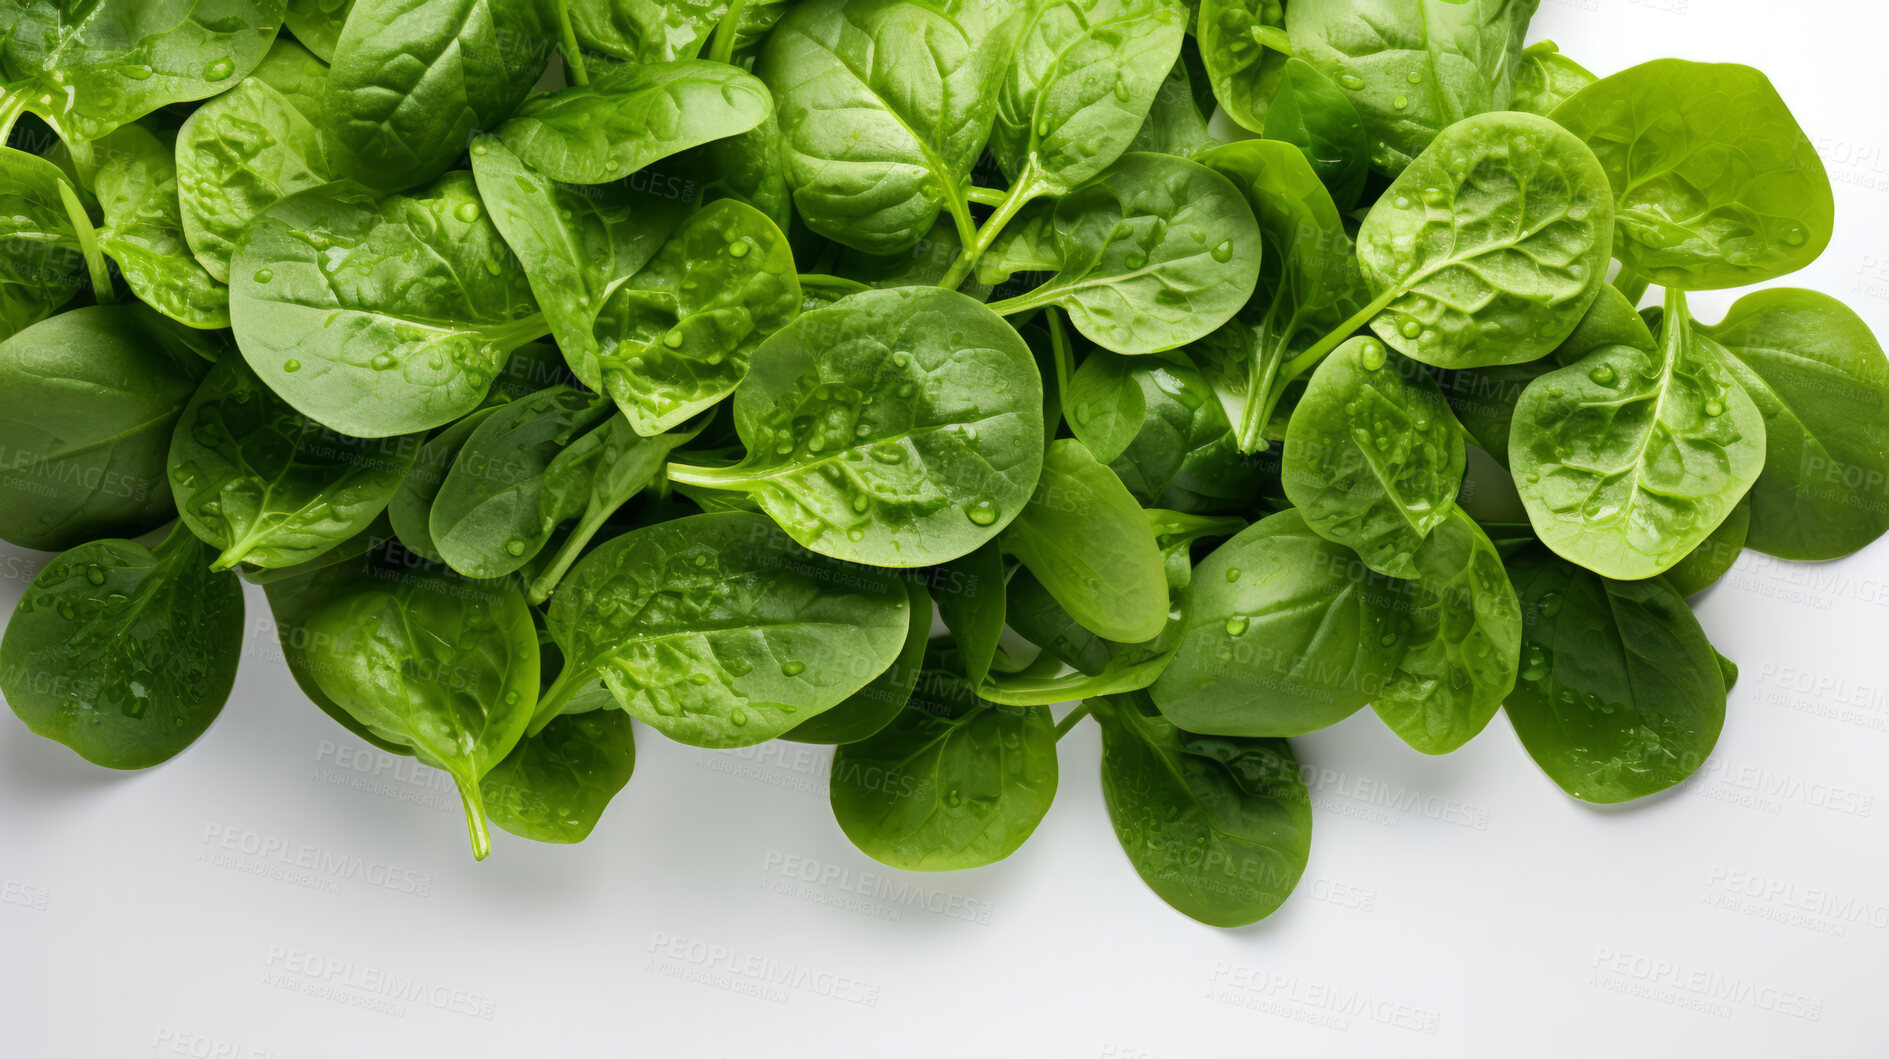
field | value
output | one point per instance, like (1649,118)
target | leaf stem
(553,699)
(573,55)
(1071,719)
(1274,38)
(984,196)
(1022,194)
(88,244)
(474,801)
(723,48)
(1632,283)
(1309,359)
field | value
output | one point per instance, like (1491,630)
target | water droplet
(263,275)
(95,575)
(515,546)
(1371,357)
(1401,102)
(793,669)
(1233,574)
(467,212)
(1411,329)
(291,366)
(1351,81)
(1715,407)
(673,340)
(738,717)
(220,70)
(738,250)
(982,512)
(1603,375)
(1222,253)
(381,361)
(1237,625)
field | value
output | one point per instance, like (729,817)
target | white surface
(1454,907)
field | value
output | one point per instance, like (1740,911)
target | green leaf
(874,706)
(42,261)
(1219,827)
(970,594)
(122,653)
(1310,113)
(554,786)
(1546,79)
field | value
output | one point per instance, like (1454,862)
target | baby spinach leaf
(646,31)
(1819,379)
(1490,246)
(1308,280)
(442,665)
(953,782)
(317,24)
(414,79)
(268,486)
(89,66)
(970,592)
(379,317)
(876,705)
(1629,458)
(1373,458)
(718,631)
(1285,633)
(1413,67)
(1620,694)
(88,399)
(1464,641)
(1219,827)
(42,261)
(1244,69)
(1160,426)
(884,107)
(1175,124)
(1082,79)
(122,653)
(898,428)
(411,509)
(1310,113)
(554,786)
(633,115)
(247,149)
(144,230)
(1546,79)
(1090,545)
(1715,185)
(500,503)
(1154,253)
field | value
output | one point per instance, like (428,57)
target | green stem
(984,196)
(705,477)
(1025,191)
(12,105)
(1632,283)
(476,827)
(723,48)
(1309,359)
(579,538)
(88,244)
(552,701)
(573,55)
(1071,719)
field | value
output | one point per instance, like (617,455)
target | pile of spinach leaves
(884,373)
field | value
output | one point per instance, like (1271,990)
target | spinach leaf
(444,666)
(1086,539)
(646,31)
(1819,379)
(268,486)
(1620,694)
(410,511)
(89,66)
(1373,458)
(1308,280)
(868,710)
(1715,556)
(884,107)
(1084,75)
(42,260)
(1546,79)
(1715,185)
(247,149)
(1413,67)
(1629,458)
(317,24)
(1490,246)
(631,116)
(143,231)
(88,399)
(500,502)
(1175,124)
(1240,45)
(554,786)
(124,654)
(1219,827)
(953,782)
(1154,253)
(718,631)
(414,79)
(1285,633)
(970,593)
(898,428)
(377,317)
(1310,113)
(1463,645)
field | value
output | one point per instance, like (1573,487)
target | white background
(1459,906)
